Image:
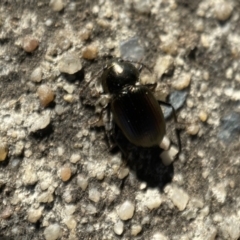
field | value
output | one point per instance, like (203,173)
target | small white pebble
(75,158)
(123,172)
(182,82)
(126,210)
(52,232)
(82,182)
(118,227)
(169,155)
(165,143)
(36,75)
(94,195)
(223,10)
(193,129)
(136,229)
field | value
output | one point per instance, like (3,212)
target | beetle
(134,108)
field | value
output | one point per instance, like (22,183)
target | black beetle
(134,108)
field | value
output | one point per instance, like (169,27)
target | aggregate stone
(193,129)
(56,5)
(52,232)
(178,196)
(82,181)
(3,151)
(131,49)
(136,229)
(118,227)
(223,10)
(40,122)
(29,44)
(177,99)
(29,175)
(69,63)
(34,215)
(230,127)
(182,81)
(90,52)
(126,210)
(151,199)
(94,195)
(45,197)
(164,65)
(36,75)
(65,173)
(45,95)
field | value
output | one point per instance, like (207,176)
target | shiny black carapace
(135,109)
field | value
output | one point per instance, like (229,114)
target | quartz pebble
(94,195)
(165,143)
(6,213)
(36,75)
(123,172)
(82,182)
(203,116)
(168,156)
(90,52)
(193,129)
(34,215)
(45,197)
(52,232)
(164,65)
(40,123)
(65,173)
(136,229)
(29,175)
(45,94)
(75,158)
(178,196)
(69,64)
(29,44)
(126,210)
(56,5)
(70,222)
(118,227)
(159,236)
(3,151)
(223,10)
(182,82)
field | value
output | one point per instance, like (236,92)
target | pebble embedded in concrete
(29,44)
(56,5)
(126,210)
(164,65)
(36,75)
(136,229)
(3,151)
(45,95)
(29,176)
(52,232)
(34,215)
(82,181)
(178,196)
(65,173)
(70,64)
(182,81)
(94,195)
(118,227)
(40,122)
(203,116)
(90,52)
(193,129)
(223,10)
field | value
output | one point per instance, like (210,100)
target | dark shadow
(42,133)
(145,162)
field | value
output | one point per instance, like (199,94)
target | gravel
(58,179)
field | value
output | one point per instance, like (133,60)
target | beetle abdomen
(139,116)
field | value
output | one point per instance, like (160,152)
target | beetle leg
(151,86)
(177,130)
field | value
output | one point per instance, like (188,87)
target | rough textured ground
(57,178)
